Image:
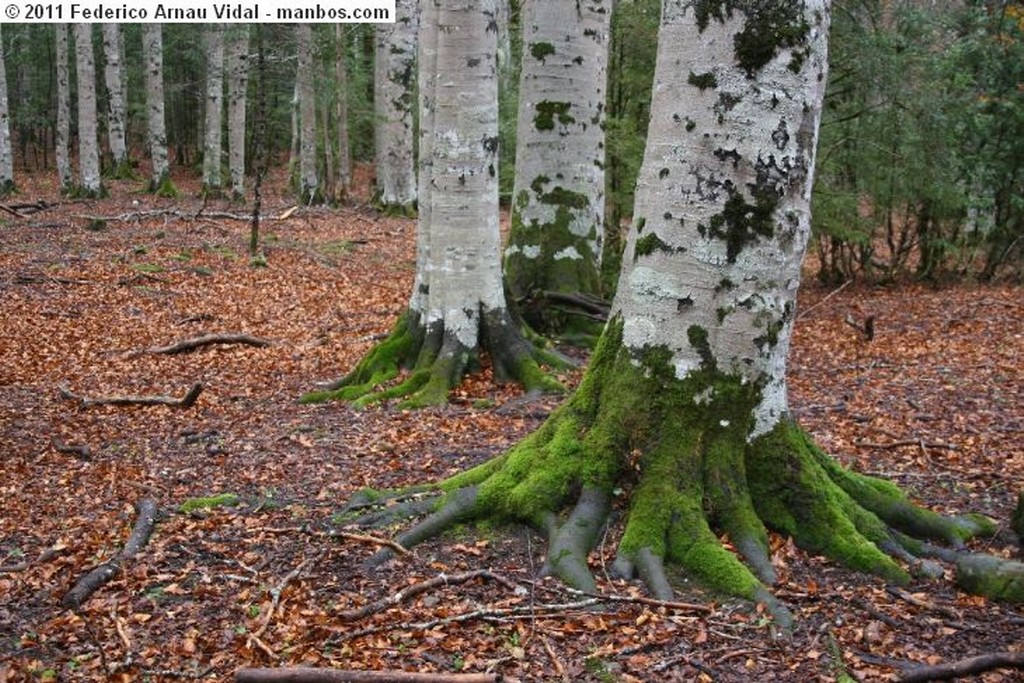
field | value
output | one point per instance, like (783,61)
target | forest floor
(935,402)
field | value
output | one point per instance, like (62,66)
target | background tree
(238,80)
(343,180)
(457,309)
(554,247)
(156,136)
(6,156)
(394,100)
(212,146)
(90,183)
(309,189)
(115,82)
(62,132)
(684,405)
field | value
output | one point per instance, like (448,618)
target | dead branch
(275,594)
(22,210)
(180,215)
(80,452)
(925,604)
(903,443)
(144,522)
(373,540)
(965,667)
(416,589)
(186,401)
(313,675)
(825,299)
(205,340)
(640,600)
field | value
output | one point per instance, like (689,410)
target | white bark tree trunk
(238,80)
(558,199)
(63,133)
(88,146)
(6,155)
(156,134)
(712,264)
(394,99)
(212,145)
(309,183)
(344,169)
(116,111)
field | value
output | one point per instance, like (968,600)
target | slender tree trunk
(212,146)
(63,135)
(238,80)
(344,177)
(156,135)
(558,200)
(310,191)
(88,146)
(394,101)
(116,110)
(6,156)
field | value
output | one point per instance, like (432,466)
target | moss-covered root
(993,577)
(460,506)
(571,542)
(515,358)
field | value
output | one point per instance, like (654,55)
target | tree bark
(394,102)
(212,146)
(238,80)
(113,77)
(89,180)
(63,132)
(156,134)
(309,183)
(344,167)
(558,199)
(6,154)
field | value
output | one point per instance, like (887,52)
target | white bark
(6,156)
(113,77)
(63,133)
(344,177)
(394,98)
(156,134)
(461,269)
(559,181)
(426,77)
(88,147)
(723,199)
(238,80)
(212,145)
(309,183)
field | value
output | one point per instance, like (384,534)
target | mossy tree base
(677,453)
(437,361)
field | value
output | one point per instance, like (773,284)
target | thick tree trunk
(6,155)
(457,307)
(684,406)
(309,188)
(89,180)
(212,146)
(156,135)
(344,176)
(394,102)
(113,77)
(558,200)
(238,80)
(63,133)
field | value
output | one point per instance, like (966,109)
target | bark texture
(394,104)
(90,183)
(212,145)
(6,156)
(683,408)
(344,175)
(558,199)
(156,133)
(238,81)
(113,76)
(62,134)
(457,307)
(309,183)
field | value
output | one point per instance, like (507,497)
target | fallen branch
(88,584)
(903,443)
(826,298)
(312,675)
(185,402)
(205,340)
(80,452)
(964,667)
(416,589)
(373,540)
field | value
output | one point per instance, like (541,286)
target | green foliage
(209,502)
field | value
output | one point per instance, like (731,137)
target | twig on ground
(374,540)
(186,401)
(311,675)
(205,340)
(640,600)
(964,667)
(416,589)
(903,443)
(88,584)
(925,604)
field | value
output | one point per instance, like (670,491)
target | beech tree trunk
(238,81)
(156,135)
(116,111)
(90,183)
(62,140)
(558,199)
(457,308)
(394,101)
(344,165)
(212,145)
(6,155)
(309,182)
(683,409)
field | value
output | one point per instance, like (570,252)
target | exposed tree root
(692,478)
(186,401)
(437,361)
(312,675)
(971,666)
(187,345)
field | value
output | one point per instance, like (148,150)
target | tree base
(691,477)
(438,361)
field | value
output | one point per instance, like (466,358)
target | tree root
(971,666)
(313,675)
(422,587)
(187,345)
(187,401)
